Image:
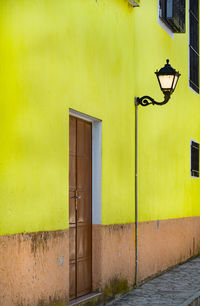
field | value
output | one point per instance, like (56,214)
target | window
(134,2)
(172,13)
(194,45)
(194,159)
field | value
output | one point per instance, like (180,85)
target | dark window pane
(194,33)
(194,44)
(179,14)
(194,69)
(169,9)
(194,159)
(194,7)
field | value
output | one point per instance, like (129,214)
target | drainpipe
(136,194)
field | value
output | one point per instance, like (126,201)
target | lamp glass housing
(175,81)
(167,78)
(166,81)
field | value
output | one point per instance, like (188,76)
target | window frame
(190,47)
(162,24)
(191,143)
(177,21)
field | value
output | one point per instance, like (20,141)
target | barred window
(172,13)
(194,159)
(194,45)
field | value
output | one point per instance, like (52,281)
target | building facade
(70,72)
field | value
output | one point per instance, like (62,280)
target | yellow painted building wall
(166,189)
(93,56)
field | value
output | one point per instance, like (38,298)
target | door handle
(77,197)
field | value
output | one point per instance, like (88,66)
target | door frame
(96,179)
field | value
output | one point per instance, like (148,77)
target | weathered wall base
(162,244)
(34,268)
(113,254)
(165,243)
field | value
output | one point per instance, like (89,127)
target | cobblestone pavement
(179,286)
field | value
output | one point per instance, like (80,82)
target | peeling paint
(60,261)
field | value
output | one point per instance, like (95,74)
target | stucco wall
(34,268)
(56,56)
(94,57)
(50,50)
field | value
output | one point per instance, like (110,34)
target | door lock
(77,197)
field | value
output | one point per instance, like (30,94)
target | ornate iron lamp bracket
(146,100)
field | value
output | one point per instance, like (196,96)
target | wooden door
(80,207)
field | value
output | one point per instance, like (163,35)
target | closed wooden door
(80,207)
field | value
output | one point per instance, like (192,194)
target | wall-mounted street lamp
(167,78)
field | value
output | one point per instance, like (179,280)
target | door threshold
(84,298)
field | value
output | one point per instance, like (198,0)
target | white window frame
(163,25)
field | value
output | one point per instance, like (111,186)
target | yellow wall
(166,189)
(93,56)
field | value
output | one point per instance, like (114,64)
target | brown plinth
(165,243)
(34,268)
(113,254)
(161,244)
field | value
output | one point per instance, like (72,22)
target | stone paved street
(180,286)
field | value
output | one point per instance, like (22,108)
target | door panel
(72,207)
(72,244)
(83,241)
(72,154)
(72,284)
(72,172)
(80,206)
(84,276)
(84,212)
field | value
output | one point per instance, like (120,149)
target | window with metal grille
(194,45)
(172,13)
(194,159)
